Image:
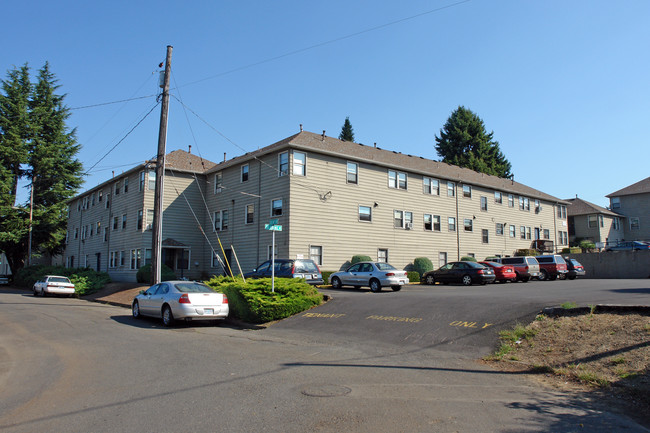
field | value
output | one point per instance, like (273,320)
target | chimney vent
(301,127)
(224,157)
(323,135)
(375,144)
(190,150)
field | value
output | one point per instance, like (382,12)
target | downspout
(259,209)
(457,222)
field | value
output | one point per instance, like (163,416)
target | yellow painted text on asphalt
(462,324)
(323,315)
(396,319)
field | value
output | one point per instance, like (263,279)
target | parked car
(53,284)
(289,268)
(551,267)
(4,279)
(526,267)
(460,272)
(187,300)
(369,274)
(574,268)
(502,273)
(630,246)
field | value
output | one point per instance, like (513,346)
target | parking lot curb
(597,309)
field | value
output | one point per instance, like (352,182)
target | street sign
(274,227)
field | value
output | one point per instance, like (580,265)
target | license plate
(208,311)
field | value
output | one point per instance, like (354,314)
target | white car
(53,285)
(370,274)
(187,300)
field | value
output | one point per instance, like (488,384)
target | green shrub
(360,258)
(468,259)
(254,302)
(144,274)
(422,265)
(587,245)
(413,276)
(85,280)
(326,275)
(526,252)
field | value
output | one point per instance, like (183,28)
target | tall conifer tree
(347,133)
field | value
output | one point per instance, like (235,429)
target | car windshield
(193,287)
(492,264)
(58,280)
(384,267)
(474,265)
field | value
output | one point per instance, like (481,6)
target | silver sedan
(187,300)
(369,274)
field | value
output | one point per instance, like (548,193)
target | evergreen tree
(464,142)
(347,133)
(47,151)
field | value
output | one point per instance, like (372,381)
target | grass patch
(568,305)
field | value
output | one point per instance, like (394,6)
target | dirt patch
(604,357)
(121,294)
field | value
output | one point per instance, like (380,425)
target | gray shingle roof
(579,206)
(641,187)
(390,159)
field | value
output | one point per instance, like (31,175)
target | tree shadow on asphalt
(146,322)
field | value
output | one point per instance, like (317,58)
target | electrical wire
(112,102)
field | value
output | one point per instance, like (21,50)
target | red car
(503,273)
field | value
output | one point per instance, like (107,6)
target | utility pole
(31,220)
(156,247)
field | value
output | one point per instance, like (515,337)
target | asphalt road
(68,365)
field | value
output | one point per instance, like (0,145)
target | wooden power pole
(156,245)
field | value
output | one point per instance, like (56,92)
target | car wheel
(543,275)
(42,292)
(430,280)
(525,279)
(34,290)
(467,280)
(375,285)
(336,282)
(552,278)
(573,277)
(396,288)
(167,316)
(357,287)
(135,310)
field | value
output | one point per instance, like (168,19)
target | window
(382,255)
(244,173)
(151,179)
(115,222)
(149,219)
(123,221)
(592,221)
(497,197)
(100,195)
(221,220)
(117,188)
(538,206)
(268,253)
(616,202)
(467,191)
(111,260)
(316,254)
(408,220)
(98,229)
(436,223)
(122,258)
(635,224)
(451,223)
(396,179)
(522,231)
(601,222)
(484,203)
(547,234)
(513,231)
(250,214)
(365,213)
(451,189)
(430,186)
(218,182)
(141,181)
(521,203)
(126,185)
(352,173)
(147,256)
(499,229)
(563,238)
(183,259)
(398,219)
(442,259)
(468,224)
(511,200)
(616,223)
(528,233)
(108,201)
(299,164)
(428,223)
(561,211)
(78,205)
(276,207)
(105,234)
(140,218)
(76,232)
(92,200)
(283,164)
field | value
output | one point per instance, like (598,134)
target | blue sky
(565,86)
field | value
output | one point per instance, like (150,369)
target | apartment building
(335,199)
(588,221)
(633,203)
(109,226)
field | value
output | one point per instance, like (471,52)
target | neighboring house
(109,226)
(634,203)
(333,199)
(4,265)
(588,221)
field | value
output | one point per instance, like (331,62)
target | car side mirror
(142,292)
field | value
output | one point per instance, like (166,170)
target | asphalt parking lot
(452,318)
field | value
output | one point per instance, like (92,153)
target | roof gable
(579,206)
(641,187)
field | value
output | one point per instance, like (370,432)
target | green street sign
(273,227)
(273,222)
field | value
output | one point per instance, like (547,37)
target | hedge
(85,280)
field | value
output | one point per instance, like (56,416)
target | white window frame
(244,173)
(352,170)
(246,213)
(218,182)
(451,189)
(359,214)
(299,163)
(467,191)
(273,207)
(316,254)
(283,163)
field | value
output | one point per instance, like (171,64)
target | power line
(331,41)
(112,102)
(123,138)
